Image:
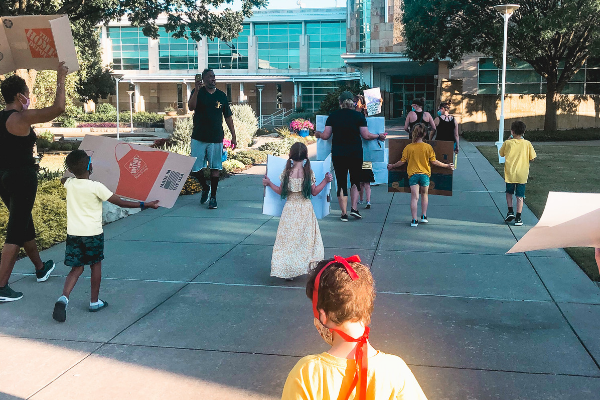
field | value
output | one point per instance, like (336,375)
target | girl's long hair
(298,153)
(419,131)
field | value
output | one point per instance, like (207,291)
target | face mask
(414,109)
(27,103)
(439,113)
(324,331)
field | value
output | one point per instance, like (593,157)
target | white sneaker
(424,219)
(414,222)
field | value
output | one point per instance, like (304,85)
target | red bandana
(360,355)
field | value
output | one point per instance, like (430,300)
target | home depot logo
(136,166)
(41,43)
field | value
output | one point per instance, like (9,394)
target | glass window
(363,22)
(278,45)
(313,93)
(326,44)
(129,48)
(229,55)
(176,54)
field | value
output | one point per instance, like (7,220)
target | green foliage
(331,101)
(142,117)
(299,115)
(180,140)
(231,166)
(44,140)
(249,157)
(245,123)
(105,108)
(278,147)
(554,37)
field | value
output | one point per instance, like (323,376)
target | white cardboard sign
(36,42)
(380,170)
(323,146)
(273,203)
(373,100)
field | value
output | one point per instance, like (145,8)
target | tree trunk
(550,123)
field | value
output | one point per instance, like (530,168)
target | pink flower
(227,143)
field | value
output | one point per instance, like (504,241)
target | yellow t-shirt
(418,156)
(323,376)
(84,206)
(518,153)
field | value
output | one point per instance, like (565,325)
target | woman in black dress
(18,175)
(347,127)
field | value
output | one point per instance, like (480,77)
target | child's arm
(441,164)
(396,165)
(267,182)
(316,189)
(116,200)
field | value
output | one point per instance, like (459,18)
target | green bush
(142,117)
(105,108)
(278,147)
(231,166)
(44,140)
(249,157)
(180,139)
(299,115)
(245,123)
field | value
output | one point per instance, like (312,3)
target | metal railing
(275,119)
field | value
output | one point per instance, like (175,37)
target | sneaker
(509,217)
(60,311)
(44,273)
(424,219)
(212,204)
(414,222)
(361,202)
(368,206)
(344,217)
(518,221)
(204,196)
(7,294)
(355,213)
(98,306)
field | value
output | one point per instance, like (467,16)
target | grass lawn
(537,136)
(560,168)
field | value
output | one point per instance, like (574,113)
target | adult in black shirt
(418,116)
(447,127)
(210,105)
(347,127)
(18,175)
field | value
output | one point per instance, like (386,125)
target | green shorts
(418,179)
(207,153)
(520,189)
(84,250)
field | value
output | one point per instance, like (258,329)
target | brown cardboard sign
(137,172)
(36,42)
(441,178)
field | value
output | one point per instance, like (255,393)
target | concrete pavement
(194,314)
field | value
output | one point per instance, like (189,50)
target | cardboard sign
(137,172)
(441,178)
(273,203)
(323,146)
(36,42)
(380,170)
(373,100)
(569,220)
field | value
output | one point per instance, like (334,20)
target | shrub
(278,147)
(44,140)
(105,108)
(299,115)
(191,186)
(100,125)
(232,166)
(249,157)
(180,140)
(245,123)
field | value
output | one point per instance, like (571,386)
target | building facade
(295,56)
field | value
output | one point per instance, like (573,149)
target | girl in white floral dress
(298,242)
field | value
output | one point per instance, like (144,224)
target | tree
(554,36)
(331,101)
(185,18)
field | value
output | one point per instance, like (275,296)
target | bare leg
(414,200)
(7,263)
(368,191)
(343,201)
(96,278)
(509,200)
(33,254)
(425,200)
(598,258)
(354,196)
(519,204)
(72,280)
(361,191)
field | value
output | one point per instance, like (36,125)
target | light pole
(130,93)
(506,10)
(117,79)
(260,89)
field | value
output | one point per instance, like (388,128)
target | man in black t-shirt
(210,105)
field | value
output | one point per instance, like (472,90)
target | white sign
(373,100)
(323,146)
(373,150)
(36,42)
(273,203)
(380,169)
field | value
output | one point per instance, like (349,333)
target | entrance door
(408,87)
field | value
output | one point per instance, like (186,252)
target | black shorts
(342,166)
(18,188)
(84,250)
(367,176)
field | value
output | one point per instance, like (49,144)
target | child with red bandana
(343,292)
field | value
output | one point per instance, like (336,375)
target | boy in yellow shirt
(342,291)
(420,157)
(518,153)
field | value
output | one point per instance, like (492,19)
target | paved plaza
(194,314)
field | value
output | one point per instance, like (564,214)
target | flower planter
(303,133)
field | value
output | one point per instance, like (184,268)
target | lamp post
(506,10)
(130,93)
(117,79)
(260,89)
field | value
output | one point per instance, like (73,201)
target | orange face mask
(361,358)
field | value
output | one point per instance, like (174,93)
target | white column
(186,96)
(153,56)
(243,97)
(139,105)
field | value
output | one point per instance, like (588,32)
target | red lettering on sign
(41,43)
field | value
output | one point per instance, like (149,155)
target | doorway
(405,88)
